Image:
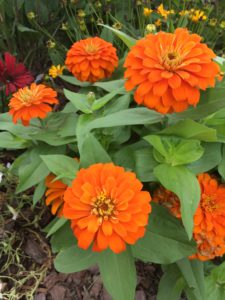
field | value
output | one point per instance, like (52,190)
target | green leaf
(175,151)
(74,259)
(129,41)
(221,166)
(185,185)
(165,240)
(31,174)
(39,192)
(9,141)
(193,273)
(171,284)
(92,152)
(74,81)
(97,104)
(63,238)
(55,225)
(131,116)
(190,129)
(23,28)
(80,101)
(144,164)
(118,274)
(63,166)
(30,168)
(211,101)
(215,283)
(210,159)
(113,85)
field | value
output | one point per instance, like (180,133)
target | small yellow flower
(158,23)
(138,2)
(98,4)
(212,22)
(117,25)
(163,12)
(55,71)
(64,26)
(150,28)
(81,13)
(82,27)
(31,15)
(222,25)
(184,13)
(147,11)
(100,21)
(50,44)
(198,15)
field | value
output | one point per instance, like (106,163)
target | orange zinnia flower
(168,70)
(91,59)
(32,102)
(169,200)
(54,194)
(209,218)
(107,207)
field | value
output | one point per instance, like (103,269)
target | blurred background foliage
(39,32)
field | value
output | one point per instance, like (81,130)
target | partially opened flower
(209,218)
(169,200)
(91,59)
(32,102)
(169,69)
(54,194)
(12,75)
(107,207)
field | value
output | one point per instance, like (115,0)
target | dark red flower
(13,75)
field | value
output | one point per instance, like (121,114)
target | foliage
(99,123)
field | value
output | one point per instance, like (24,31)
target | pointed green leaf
(184,184)
(118,274)
(74,259)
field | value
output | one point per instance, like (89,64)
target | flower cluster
(209,218)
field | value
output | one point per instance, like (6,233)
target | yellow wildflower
(64,26)
(163,12)
(50,44)
(147,11)
(158,23)
(31,15)
(198,15)
(150,28)
(212,22)
(117,25)
(81,13)
(55,71)
(222,25)
(184,12)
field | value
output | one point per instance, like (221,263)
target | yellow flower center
(103,207)
(90,48)
(171,60)
(26,98)
(208,203)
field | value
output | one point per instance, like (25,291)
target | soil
(26,261)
